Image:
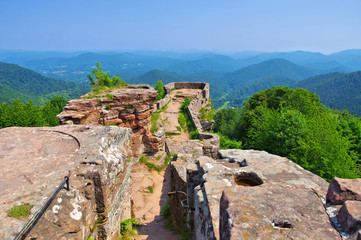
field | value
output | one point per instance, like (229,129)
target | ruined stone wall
(178,194)
(129,107)
(199,101)
(100,161)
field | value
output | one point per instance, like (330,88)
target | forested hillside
(234,77)
(294,124)
(22,83)
(337,90)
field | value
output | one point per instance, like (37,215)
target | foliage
(167,160)
(337,90)
(194,134)
(207,112)
(165,212)
(150,189)
(159,87)
(226,143)
(22,83)
(20,211)
(103,78)
(172,134)
(126,228)
(109,96)
(28,115)
(155,117)
(294,124)
(143,159)
(185,121)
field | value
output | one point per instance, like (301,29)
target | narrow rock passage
(146,205)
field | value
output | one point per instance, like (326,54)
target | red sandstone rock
(131,107)
(341,190)
(349,216)
(33,162)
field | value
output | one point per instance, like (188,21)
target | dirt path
(147,205)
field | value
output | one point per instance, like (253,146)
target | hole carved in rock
(248,179)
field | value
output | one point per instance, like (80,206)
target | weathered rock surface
(129,107)
(271,198)
(187,150)
(178,194)
(341,190)
(35,160)
(349,216)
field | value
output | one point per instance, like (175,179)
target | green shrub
(160,88)
(150,188)
(185,121)
(103,79)
(226,143)
(194,134)
(143,159)
(109,96)
(126,228)
(20,211)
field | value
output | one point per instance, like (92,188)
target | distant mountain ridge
(19,82)
(337,90)
(233,76)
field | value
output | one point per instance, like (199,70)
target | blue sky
(229,25)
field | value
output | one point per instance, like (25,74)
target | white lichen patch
(56,208)
(208,165)
(227,168)
(227,182)
(60,200)
(76,214)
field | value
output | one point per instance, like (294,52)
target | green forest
(293,123)
(24,84)
(26,114)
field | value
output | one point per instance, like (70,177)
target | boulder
(349,216)
(341,190)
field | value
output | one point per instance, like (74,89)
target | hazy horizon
(325,26)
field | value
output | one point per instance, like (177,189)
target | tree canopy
(294,124)
(103,78)
(26,114)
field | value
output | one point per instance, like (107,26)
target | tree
(103,78)
(160,88)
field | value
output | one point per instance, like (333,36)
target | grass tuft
(20,211)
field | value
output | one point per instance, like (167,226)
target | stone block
(349,216)
(341,190)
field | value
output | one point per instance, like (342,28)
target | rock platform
(34,162)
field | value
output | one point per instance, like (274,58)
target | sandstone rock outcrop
(35,160)
(254,195)
(341,190)
(129,107)
(349,216)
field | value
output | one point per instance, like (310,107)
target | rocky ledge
(255,195)
(34,162)
(129,107)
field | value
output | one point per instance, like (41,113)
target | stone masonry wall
(199,101)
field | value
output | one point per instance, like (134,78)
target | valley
(234,77)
